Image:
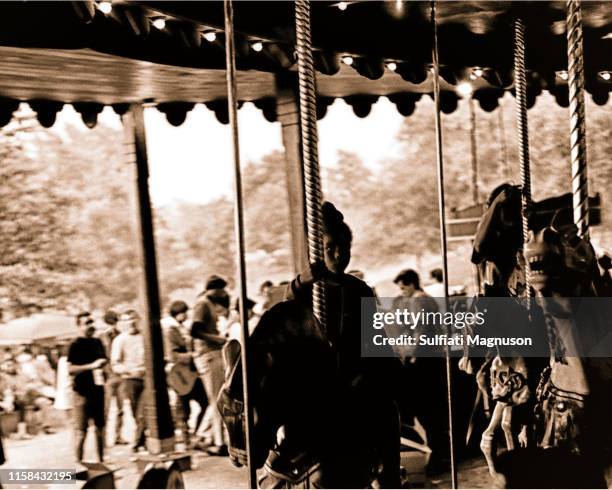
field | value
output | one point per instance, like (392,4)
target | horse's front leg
(487,443)
(506,425)
(523,437)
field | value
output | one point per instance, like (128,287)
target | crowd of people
(27,388)
(106,366)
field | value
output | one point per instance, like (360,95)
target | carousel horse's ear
(331,213)
(506,186)
(231,355)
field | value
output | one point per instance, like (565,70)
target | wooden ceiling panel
(70,51)
(84,75)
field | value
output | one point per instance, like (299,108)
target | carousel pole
(312,178)
(158,417)
(443,244)
(580,183)
(474,151)
(232,102)
(502,140)
(520,87)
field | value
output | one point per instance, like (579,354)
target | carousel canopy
(171,53)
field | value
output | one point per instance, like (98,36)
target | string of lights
(465,82)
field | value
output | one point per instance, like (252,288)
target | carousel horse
(510,380)
(503,377)
(574,409)
(306,432)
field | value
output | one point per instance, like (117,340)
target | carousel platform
(55,451)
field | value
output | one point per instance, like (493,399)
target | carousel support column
(575,57)
(157,413)
(443,241)
(288,114)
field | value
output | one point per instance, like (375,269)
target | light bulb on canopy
(347,60)
(105,7)
(605,75)
(465,89)
(257,46)
(395,8)
(210,36)
(342,6)
(159,23)
(392,65)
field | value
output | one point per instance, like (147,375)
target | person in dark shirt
(86,359)
(364,381)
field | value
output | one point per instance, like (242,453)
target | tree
(36,266)
(67,213)
(194,241)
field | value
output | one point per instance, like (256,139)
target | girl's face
(337,253)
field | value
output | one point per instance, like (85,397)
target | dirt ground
(54,451)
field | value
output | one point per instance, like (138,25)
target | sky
(193,162)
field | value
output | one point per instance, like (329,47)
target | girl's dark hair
(408,276)
(333,222)
(111,317)
(178,307)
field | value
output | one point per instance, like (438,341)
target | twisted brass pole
(522,131)
(580,187)
(308,123)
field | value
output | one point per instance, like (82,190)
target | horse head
(231,406)
(561,262)
(289,365)
(564,274)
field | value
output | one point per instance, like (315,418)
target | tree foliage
(67,214)
(35,266)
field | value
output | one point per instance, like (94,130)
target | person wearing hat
(215,282)
(212,304)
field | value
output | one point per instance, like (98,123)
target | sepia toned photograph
(305,244)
